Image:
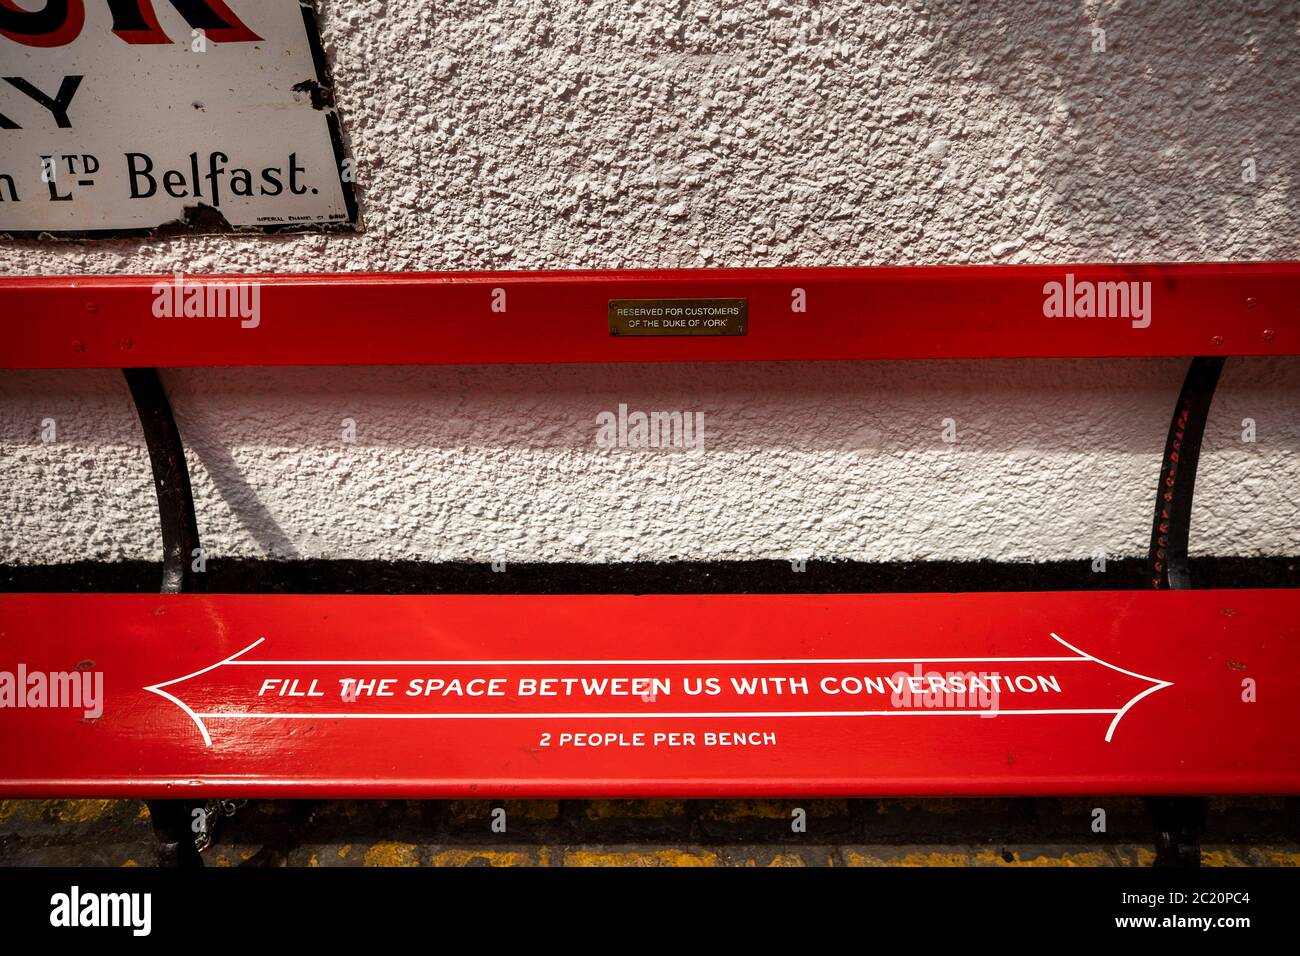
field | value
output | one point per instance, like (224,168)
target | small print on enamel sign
(167,117)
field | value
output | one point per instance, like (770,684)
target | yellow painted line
(1279,857)
(977,857)
(57,811)
(392,853)
(663,857)
(853,858)
(491,857)
(479,812)
(79,811)
(1083,858)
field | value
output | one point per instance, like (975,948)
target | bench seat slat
(1083,693)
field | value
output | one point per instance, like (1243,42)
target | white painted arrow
(234,661)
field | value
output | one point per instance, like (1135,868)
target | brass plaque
(678,316)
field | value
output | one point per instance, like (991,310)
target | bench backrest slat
(519,317)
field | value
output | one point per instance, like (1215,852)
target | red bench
(1166,692)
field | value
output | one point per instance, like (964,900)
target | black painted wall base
(253,576)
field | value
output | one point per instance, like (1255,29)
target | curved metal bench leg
(172,819)
(1173,517)
(171,479)
(1180,821)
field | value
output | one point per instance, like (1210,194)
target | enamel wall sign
(162,117)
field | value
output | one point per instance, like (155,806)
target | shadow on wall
(243,500)
(1145,143)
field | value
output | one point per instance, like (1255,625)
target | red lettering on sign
(135,21)
(59,23)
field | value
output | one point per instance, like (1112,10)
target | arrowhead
(1119,715)
(158,689)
